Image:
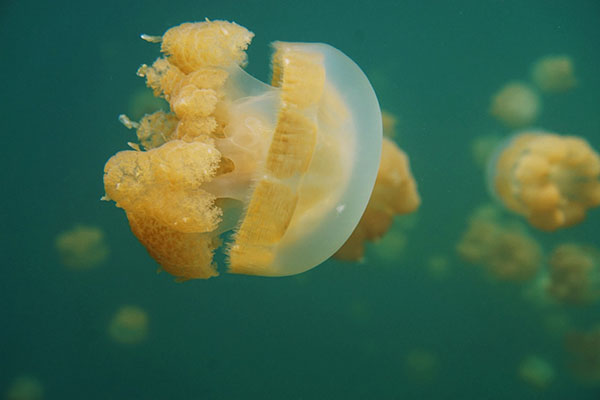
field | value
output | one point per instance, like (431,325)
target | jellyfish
(574,274)
(82,247)
(536,371)
(583,347)
(25,387)
(503,248)
(395,193)
(551,180)
(275,176)
(129,325)
(554,73)
(422,365)
(516,105)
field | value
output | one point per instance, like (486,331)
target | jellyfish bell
(515,105)
(554,73)
(287,167)
(551,180)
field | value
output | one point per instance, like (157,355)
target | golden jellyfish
(536,372)
(584,351)
(129,325)
(516,105)
(574,274)
(82,247)
(551,180)
(554,73)
(502,248)
(395,193)
(284,170)
(25,387)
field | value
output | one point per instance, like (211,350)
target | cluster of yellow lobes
(272,163)
(550,179)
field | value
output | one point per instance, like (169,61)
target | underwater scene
(301,200)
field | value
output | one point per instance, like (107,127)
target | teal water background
(339,330)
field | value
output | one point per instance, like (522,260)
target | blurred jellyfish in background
(421,365)
(25,387)
(516,105)
(584,354)
(82,247)
(551,180)
(129,325)
(554,73)
(536,372)
(395,193)
(574,274)
(501,246)
(287,169)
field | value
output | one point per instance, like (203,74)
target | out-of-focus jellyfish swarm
(395,193)
(288,167)
(25,387)
(536,371)
(82,247)
(554,73)
(574,274)
(516,105)
(503,248)
(129,325)
(549,179)
(584,350)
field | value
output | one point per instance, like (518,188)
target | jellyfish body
(287,167)
(554,73)
(516,105)
(82,247)
(502,247)
(129,325)
(550,179)
(395,193)
(536,372)
(574,274)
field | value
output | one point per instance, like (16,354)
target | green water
(339,330)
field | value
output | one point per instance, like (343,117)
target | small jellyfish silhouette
(129,325)
(395,193)
(574,274)
(82,247)
(288,167)
(536,372)
(554,73)
(502,247)
(583,347)
(516,105)
(551,180)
